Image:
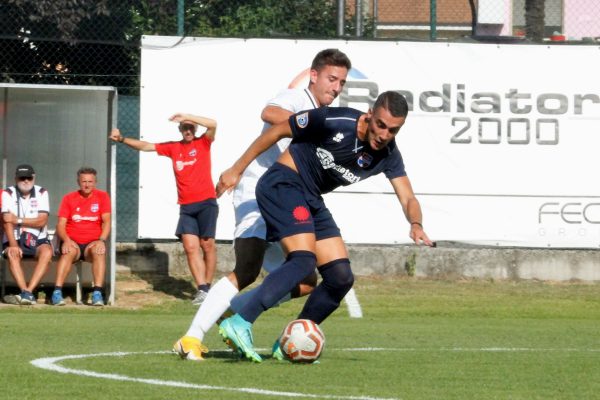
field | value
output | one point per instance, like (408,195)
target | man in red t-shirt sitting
(83,228)
(198,208)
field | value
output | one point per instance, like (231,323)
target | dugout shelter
(58,129)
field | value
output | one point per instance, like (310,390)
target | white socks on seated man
(216,303)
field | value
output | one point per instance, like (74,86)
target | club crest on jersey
(192,153)
(364,160)
(95,207)
(302,120)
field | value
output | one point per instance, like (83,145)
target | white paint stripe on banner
(51,364)
(353,305)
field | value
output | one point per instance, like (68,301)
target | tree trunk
(534,20)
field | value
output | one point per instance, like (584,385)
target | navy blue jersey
(329,154)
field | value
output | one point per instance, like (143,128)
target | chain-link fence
(97,42)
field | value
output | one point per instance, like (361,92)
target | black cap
(24,171)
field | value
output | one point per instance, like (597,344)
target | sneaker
(97,299)
(26,298)
(228,313)
(57,298)
(237,331)
(199,297)
(190,348)
(12,299)
(276,351)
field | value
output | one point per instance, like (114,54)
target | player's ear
(313,76)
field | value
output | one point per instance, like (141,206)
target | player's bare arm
(61,230)
(231,176)
(272,114)
(208,123)
(411,208)
(36,222)
(140,145)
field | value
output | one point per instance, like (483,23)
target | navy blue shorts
(27,250)
(198,219)
(289,209)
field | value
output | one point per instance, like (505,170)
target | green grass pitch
(418,339)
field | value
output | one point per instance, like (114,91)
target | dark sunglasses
(25,178)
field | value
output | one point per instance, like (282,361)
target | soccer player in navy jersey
(330,147)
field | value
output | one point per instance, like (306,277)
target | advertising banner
(500,142)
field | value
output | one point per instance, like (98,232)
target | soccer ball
(302,341)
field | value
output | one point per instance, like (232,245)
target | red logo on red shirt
(301,213)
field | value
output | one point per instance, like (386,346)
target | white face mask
(25,186)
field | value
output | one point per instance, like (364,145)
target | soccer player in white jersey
(328,73)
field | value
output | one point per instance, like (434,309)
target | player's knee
(191,247)
(337,276)
(208,245)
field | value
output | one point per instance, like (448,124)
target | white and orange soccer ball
(302,341)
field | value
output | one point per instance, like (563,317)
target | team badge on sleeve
(302,120)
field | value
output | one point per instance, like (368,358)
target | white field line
(353,305)
(51,364)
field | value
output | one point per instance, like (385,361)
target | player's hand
(227,181)
(418,235)
(179,117)
(115,135)
(67,246)
(14,251)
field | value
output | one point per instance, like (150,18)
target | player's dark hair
(394,102)
(330,57)
(86,170)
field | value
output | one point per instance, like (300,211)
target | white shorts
(248,220)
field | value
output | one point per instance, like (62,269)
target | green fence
(97,42)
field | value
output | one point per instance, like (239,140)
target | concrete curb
(446,261)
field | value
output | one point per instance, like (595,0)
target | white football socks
(216,303)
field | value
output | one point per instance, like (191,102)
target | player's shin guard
(325,299)
(278,283)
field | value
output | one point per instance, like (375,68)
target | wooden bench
(78,277)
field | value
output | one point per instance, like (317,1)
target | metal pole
(375,18)
(433,21)
(341,11)
(180,14)
(358,12)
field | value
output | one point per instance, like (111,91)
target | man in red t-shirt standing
(83,228)
(195,191)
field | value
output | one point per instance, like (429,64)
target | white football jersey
(248,220)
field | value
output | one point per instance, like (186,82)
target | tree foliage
(96,42)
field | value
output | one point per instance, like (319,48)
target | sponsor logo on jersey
(95,207)
(327,162)
(302,120)
(338,137)
(180,165)
(79,218)
(192,153)
(325,157)
(33,203)
(364,160)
